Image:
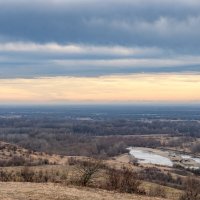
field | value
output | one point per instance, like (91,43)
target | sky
(98,51)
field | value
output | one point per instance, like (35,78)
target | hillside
(27,174)
(35,191)
(11,154)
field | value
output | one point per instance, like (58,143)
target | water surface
(149,157)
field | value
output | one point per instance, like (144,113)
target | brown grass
(35,191)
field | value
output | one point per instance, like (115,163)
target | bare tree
(87,171)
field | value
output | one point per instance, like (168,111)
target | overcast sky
(87,39)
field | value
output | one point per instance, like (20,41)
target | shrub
(87,171)
(196,148)
(27,174)
(72,161)
(123,180)
(157,191)
(156,175)
(192,190)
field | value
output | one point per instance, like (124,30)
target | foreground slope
(35,191)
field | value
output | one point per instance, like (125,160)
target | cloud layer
(166,24)
(98,37)
(21,59)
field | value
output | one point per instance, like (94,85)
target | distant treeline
(98,127)
(84,137)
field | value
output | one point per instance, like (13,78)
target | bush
(157,191)
(14,161)
(192,190)
(156,175)
(123,180)
(27,174)
(196,148)
(87,171)
(21,161)
(72,161)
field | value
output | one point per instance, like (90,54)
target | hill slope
(35,191)
(14,154)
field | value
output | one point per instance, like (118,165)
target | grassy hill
(49,191)
(53,180)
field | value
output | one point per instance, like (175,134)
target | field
(83,154)
(33,191)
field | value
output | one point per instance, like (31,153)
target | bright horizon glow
(105,89)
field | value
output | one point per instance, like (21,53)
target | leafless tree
(87,171)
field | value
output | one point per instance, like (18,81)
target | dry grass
(9,151)
(35,191)
(171,193)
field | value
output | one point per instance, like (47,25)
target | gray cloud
(33,60)
(35,34)
(172,24)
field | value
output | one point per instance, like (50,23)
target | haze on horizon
(62,51)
